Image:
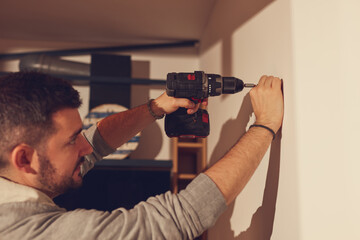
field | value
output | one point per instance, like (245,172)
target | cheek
(67,161)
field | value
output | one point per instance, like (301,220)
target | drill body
(195,86)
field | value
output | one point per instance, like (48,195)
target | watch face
(102,111)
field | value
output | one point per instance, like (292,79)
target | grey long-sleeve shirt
(26,213)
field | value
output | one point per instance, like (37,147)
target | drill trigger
(196,100)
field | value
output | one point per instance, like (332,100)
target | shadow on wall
(151,139)
(228,16)
(232,129)
(262,221)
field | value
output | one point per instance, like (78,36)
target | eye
(73,141)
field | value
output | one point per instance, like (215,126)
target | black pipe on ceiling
(53,65)
(85,80)
(70,52)
(76,72)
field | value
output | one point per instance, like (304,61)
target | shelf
(186,176)
(86,51)
(190,145)
(85,80)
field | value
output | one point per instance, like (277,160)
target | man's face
(59,164)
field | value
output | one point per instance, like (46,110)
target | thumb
(185,103)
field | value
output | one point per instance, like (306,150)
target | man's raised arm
(119,128)
(233,171)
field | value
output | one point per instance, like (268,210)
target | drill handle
(196,100)
(181,124)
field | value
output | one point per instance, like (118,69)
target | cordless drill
(196,86)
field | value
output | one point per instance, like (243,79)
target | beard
(47,173)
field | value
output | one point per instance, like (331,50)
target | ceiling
(107,21)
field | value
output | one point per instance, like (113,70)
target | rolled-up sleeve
(100,148)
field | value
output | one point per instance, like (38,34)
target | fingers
(190,105)
(167,105)
(193,110)
(197,106)
(267,102)
(185,103)
(205,102)
(269,81)
(262,80)
(277,83)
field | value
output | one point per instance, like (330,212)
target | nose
(85,147)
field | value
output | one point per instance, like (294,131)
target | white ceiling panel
(105,21)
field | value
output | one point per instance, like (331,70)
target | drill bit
(249,85)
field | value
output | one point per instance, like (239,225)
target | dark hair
(27,102)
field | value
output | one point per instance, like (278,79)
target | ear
(23,158)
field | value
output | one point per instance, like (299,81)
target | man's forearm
(234,170)
(119,128)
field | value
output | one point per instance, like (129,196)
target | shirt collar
(14,192)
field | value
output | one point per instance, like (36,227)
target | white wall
(327,57)
(311,189)
(259,44)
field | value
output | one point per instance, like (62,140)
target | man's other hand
(166,105)
(267,102)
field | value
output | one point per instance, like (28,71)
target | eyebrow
(75,134)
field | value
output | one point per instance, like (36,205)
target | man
(43,153)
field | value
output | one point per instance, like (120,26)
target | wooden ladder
(189,159)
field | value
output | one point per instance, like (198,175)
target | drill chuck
(232,85)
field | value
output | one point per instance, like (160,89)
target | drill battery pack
(181,124)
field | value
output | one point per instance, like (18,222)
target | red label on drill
(191,77)
(205,118)
(196,100)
